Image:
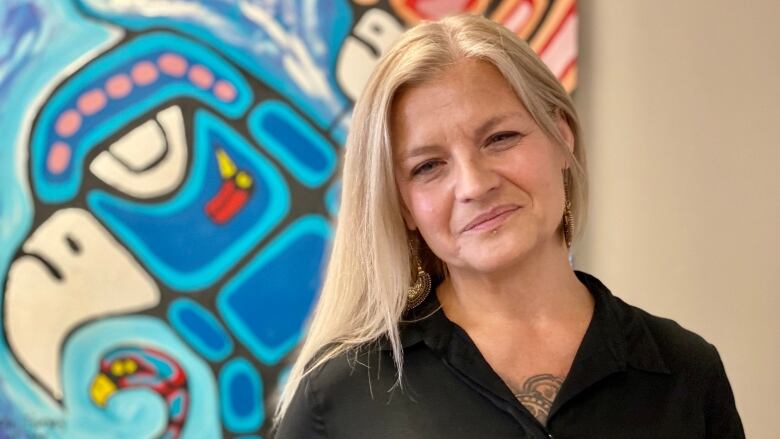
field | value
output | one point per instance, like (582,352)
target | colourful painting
(167,187)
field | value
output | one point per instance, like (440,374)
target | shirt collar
(617,338)
(616,335)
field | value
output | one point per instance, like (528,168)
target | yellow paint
(101,389)
(243,180)
(227,169)
(130,366)
(117,368)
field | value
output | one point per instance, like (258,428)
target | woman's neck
(539,291)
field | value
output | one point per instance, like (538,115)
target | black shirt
(634,376)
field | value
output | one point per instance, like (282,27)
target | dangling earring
(568,219)
(417,293)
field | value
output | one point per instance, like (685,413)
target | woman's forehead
(467,96)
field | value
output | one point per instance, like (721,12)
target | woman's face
(478,177)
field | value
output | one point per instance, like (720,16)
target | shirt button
(549,436)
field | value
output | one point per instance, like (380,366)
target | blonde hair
(370,267)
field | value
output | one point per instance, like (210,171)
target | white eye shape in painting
(69,273)
(149,161)
(372,36)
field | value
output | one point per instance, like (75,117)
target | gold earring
(418,292)
(568,219)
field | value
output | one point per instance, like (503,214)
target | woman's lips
(491,219)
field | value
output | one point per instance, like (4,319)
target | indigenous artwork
(167,188)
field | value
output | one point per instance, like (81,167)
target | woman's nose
(475,179)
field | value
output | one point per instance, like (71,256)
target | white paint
(296,59)
(160,8)
(100,279)
(119,166)
(378,30)
(141,147)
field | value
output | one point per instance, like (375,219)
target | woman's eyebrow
(418,151)
(493,121)
(479,133)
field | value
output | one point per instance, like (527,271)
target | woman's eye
(500,138)
(425,167)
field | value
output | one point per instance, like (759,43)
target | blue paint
(241,396)
(193,257)
(340,131)
(133,413)
(22,30)
(332,198)
(65,37)
(62,187)
(320,27)
(267,303)
(175,406)
(200,328)
(296,144)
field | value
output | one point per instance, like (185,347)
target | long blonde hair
(370,267)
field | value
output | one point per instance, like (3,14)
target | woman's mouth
(490,219)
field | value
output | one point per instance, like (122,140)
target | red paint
(232,206)
(228,201)
(572,11)
(201,76)
(68,123)
(144,73)
(224,91)
(218,200)
(173,64)
(91,102)
(119,86)
(435,9)
(59,157)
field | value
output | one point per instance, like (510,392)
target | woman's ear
(565,130)
(408,220)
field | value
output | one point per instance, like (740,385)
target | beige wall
(680,100)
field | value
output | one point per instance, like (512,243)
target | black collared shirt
(634,376)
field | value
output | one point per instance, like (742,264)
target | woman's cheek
(430,211)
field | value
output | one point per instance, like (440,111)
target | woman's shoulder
(352,372)
(677,338)
(647,334)
(335,387)
(680,348)
(698,371)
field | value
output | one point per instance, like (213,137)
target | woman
(449,308)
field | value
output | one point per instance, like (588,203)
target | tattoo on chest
(538,394)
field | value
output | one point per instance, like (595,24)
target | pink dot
(144,73)
(201,76)
(59,157)
(119,86)
(172,64)
(224,91)
(91,102)
(68,123)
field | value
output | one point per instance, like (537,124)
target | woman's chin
(497,258)
(503,252)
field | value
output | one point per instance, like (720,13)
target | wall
(680,103)
(167,185)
